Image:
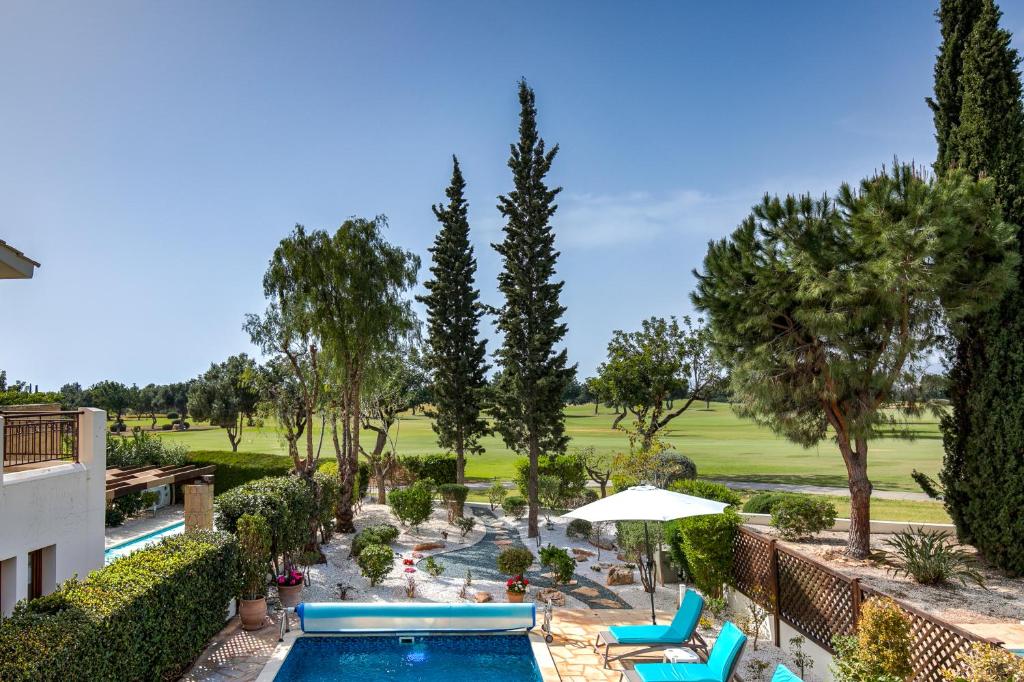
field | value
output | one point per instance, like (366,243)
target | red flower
(407,562)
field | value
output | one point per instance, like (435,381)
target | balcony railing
(36,437)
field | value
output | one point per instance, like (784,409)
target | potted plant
(289,587)
(254,554)
(516,589)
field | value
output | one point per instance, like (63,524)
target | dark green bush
(376,562)
(439,468)
(144,617)
(113,517)
(709,490)
(579,528)
(454,496)
(568,469)
(172,415)
(801,518)
(236,468)
(702,547)
(123,507)
(286,502)
(762,503)
(514,506)
(142,449)
(166,427)
(675,467)
(327,493)
(378,534)
(412,505)
(559,561)
(514,560)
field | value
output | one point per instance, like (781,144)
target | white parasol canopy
(646,503)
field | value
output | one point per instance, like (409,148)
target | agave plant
(931,558)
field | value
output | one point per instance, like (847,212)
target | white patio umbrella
(646,503)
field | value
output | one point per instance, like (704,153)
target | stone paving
(481,558)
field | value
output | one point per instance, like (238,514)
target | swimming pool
(135,544)
(419,658)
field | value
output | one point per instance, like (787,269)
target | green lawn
(723,446)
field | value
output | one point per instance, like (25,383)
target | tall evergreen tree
(456,355)
(956,18)
(984,435)
(534,373)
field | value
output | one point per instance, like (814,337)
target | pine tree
(528,390)
(984,435)
(456,354)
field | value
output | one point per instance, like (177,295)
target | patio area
(238,656)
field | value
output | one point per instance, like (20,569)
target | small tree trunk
(460,463)
(533,529)
(858,544)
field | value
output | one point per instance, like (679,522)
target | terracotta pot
(515,597)
(290,596)
(253,613)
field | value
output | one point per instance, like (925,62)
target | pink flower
(410,570)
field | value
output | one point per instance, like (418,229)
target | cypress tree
(528,390)
(455,353)
(956,18)
(983,468)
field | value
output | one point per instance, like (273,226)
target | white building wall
(60,506)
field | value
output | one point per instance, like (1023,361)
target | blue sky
(153,154)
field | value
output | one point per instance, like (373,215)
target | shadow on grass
(825,480)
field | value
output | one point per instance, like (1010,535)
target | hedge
(144,617)
(236,468)
(439,468)
(762,503)
(286,502)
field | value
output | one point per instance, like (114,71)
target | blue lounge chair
(720,666)
(784,674)
(681,632)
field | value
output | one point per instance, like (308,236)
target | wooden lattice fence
(821,603)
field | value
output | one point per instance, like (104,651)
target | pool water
(141,542)
(431,658)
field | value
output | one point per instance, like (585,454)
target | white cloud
(589,220)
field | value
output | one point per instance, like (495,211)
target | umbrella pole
(650,570)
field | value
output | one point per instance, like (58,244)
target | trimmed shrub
(172,415)
(702,547)
(143,617)
(237,468)
(579,528)
(328,489)
(802,517)
(454,496)
(515,560)
(931,558)
(412,505)
(254,555)
(675,467)
(439,468)
(559,561)
(709,490)
(496,494)
(286,502)
(762,503)
(514,506)
(567,469)
(378,534)
(881,649)
(376,562)
(166,427)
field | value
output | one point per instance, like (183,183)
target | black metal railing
(34,437)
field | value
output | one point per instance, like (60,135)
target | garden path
(481,558)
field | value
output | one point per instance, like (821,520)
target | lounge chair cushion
(784,674)
(675,672)
(718,668)
(681,629)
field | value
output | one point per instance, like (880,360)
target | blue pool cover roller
(334,617)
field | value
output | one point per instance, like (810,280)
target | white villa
(52,492)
